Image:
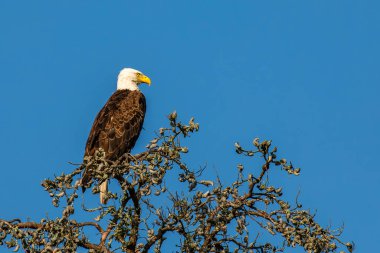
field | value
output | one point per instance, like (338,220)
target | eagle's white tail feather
(103,191)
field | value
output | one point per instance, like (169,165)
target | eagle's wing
(117,126)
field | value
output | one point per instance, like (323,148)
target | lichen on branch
(147,206)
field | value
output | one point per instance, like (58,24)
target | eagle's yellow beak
(143,79)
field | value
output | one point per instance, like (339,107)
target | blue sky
(302,73)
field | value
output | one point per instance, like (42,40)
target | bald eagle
(118,124)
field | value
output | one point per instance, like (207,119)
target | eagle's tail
(103,191)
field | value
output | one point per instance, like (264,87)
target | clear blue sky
(302,73)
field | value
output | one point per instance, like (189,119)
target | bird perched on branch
(118,124)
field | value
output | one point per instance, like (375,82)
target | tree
(205,217)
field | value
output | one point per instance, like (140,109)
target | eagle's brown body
(116,128)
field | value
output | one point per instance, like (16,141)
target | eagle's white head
(130,79)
